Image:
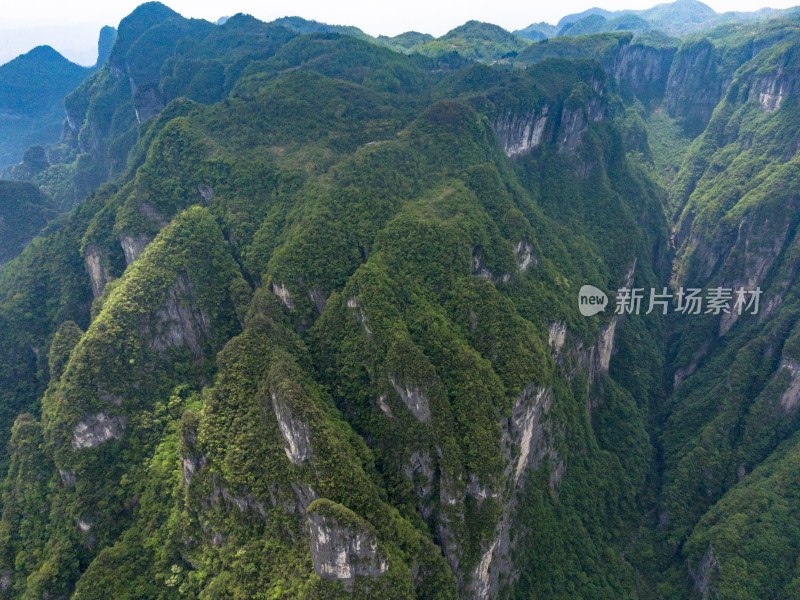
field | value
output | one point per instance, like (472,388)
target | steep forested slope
(333,319)
(24,211)
(314,333)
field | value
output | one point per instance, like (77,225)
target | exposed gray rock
(305,495)
(180,321)
(96,429)
(781,81)
(694,86)
(359,314)
(602,351)
(643,69)
(419,470)
(573,127)
(702,576)
(524,257)
(790,399)
(318,300)
(153,215)
(283,294)
(67,477)
(295,432)
(243,503)
(526,442)
(480,270)
(519,134)
(97,272)
(133,246)
(527,430)
(146,101)
(190,466)
(83,525)
(414,399)
(206,193)
(383,406)
(340,552)
(557,337)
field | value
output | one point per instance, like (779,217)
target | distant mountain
(473,40)
(32,91)
(597,23)
(407,40)
(302,26)
(537,31)
(673,18)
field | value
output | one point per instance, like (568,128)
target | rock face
(295,432)
(67,477)
(283,294)
(525,258)
(133,246)
(342,551)
(573,126)
(180,321)
(772,88)
(97,272)
(526,442)
(147,102)
(521,134)
(702,576)
(643,69)
(96,429)
(694,87)
(791,397)
(557,337)
(414,400)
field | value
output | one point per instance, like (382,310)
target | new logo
(591,300)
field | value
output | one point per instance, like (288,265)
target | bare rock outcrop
(97,272)
(94,430)
(180,321)
(343,547)
(295,432)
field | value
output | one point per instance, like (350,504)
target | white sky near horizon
(72,27)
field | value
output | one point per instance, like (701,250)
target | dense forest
(289,311)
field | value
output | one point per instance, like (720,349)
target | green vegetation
(314,334)
(24,211)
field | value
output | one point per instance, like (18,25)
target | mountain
(673,18)
(309,325)
(596,23)
(32,91)
(300,25)
(406,41)
(537,32)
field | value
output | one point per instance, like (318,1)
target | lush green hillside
(310,328)
(24,211)
(474,40)
(322,315)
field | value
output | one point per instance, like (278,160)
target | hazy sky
(68,25)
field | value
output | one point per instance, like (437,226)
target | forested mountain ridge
(314,331)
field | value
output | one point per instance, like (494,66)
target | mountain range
(288,311)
